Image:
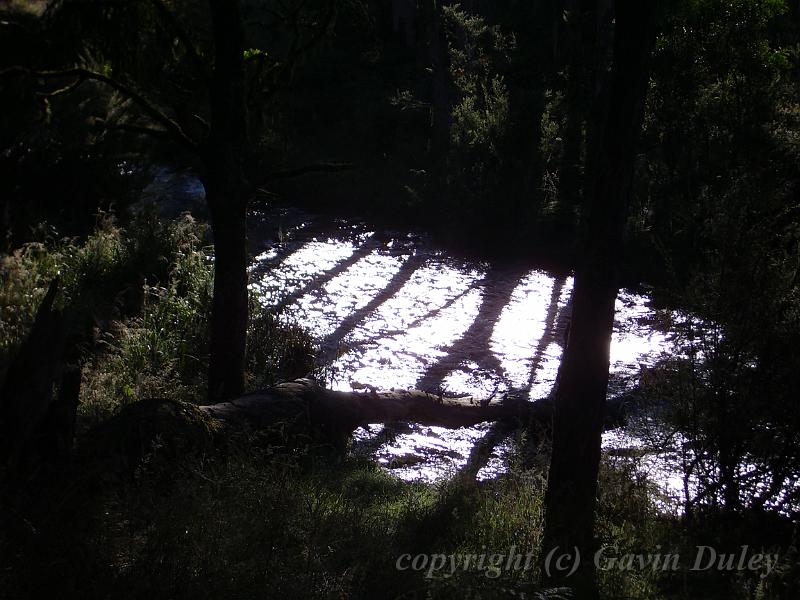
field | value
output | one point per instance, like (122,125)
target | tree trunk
(223,180)
(229,305)
(580,396)
(596,40)
(577,49)
(27,429)
(439,64)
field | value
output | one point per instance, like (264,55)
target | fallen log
(303,412)
(344,411)
(294,412)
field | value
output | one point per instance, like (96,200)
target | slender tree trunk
(224,192)
(523,163)
(577,48)
(439,64)
(597,40)
(583,377)
(569,171)
(229,306)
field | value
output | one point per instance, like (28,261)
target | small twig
(150,131)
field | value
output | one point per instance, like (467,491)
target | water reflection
(390,310)
(394,312)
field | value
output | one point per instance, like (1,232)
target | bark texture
(300,412)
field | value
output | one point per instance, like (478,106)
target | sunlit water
(394,311)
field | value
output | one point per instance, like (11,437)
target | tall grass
(138,302)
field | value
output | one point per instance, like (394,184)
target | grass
(257,523)
(139,300)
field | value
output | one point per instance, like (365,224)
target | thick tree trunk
(580,396)
(225,195)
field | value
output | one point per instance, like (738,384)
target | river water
(393,310)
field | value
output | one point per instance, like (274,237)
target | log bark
(342,412)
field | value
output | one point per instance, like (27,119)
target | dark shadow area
(282,241)
(282,252)
(555,328)
(431,314)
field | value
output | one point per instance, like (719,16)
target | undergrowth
(138,299)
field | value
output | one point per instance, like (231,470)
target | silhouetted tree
(580,395)
(223,180)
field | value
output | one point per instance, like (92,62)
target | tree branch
(297,49)
(174,130)
(63,90)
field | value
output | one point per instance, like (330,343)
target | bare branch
(205,124)
(320,32)
(171,126)
(63,90)
(298,49)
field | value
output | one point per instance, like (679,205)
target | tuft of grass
(277,350)
(24,277)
